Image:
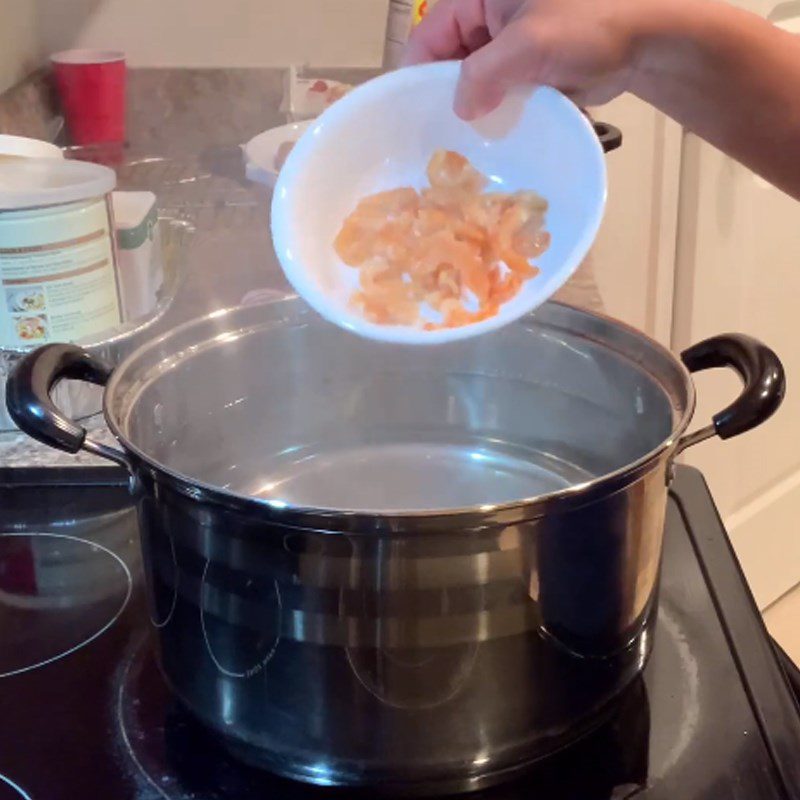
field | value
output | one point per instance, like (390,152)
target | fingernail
(464,104)
(473,102)
(464,110)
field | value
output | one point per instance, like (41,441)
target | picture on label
(21,300)
(31,328)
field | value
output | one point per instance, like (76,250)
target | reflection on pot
(161,604)
(413,679)
(238,651)
(392,618)
(595,598)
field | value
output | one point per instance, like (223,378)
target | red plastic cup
(91,88)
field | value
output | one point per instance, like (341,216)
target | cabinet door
(738,268)
(633,258)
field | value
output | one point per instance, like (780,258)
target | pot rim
(474,517)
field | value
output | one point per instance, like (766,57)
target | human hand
(585,48)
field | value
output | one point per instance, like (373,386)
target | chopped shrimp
(451,250)
(452,172)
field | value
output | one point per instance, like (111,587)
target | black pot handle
(764,383)
(610,136)
(30,406)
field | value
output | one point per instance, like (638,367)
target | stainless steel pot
(420,568)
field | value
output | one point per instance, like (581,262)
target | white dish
(381,136)
(261,152)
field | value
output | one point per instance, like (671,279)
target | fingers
(452,29)
(460,28)
(486,75)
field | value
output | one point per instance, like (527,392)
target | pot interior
(272,402)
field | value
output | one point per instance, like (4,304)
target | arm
(723,73)
(733,79)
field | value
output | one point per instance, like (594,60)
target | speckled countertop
(186,128)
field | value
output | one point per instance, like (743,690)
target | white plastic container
(139,262)
(57,254)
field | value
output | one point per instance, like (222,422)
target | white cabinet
(634,256)
(738,268)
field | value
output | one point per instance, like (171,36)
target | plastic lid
(35,182)
(30,148)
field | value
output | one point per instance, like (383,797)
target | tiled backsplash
(29,109)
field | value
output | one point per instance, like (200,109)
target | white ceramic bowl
(261,151)
(381,136)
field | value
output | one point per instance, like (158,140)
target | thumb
(507,61)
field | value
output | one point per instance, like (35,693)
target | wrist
(665,39)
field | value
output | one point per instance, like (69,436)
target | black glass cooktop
(84,712)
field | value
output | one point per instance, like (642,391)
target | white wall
(30,29)
(19,46)
(239,33)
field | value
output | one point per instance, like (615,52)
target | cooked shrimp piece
(451,171)
(531,244)
(387,204)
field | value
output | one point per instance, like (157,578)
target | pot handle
(609,135)
(764,384)
(34,412)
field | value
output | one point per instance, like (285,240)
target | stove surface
(84,712)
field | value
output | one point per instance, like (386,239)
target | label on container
(58,274)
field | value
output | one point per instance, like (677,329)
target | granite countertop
(186,128)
